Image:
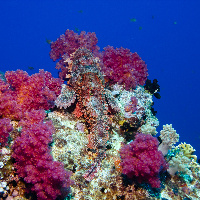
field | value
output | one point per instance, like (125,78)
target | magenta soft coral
(34,162)
(123,67)
(23,93)
(8,103)
(142,161)
(68,43)
(5,128)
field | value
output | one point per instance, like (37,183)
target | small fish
(31,68)
(152,17)
(133,20)
(140,28)
(48,41)
(80,11)
(175,22)
(76,29)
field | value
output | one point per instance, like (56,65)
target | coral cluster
(67,44)
(21,93)
(96,139)
(169,137)
(183,160)
(187,150)
(24,98)
(118,65)
(142,161)
(88,85)
(34,162)
(123,67)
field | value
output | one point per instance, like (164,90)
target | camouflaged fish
(86,84)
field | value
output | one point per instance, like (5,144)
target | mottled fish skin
(88,84)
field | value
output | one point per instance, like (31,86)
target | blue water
(166,35)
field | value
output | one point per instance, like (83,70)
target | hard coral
(142,160)
(34,162)
(187,150)
(123,67)
(169,137)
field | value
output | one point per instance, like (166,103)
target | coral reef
(88,84)
(92,138)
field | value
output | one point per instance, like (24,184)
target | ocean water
(165,34)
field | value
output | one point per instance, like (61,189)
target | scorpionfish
(86,84)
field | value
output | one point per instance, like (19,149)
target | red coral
(8,105)
(34,162)
(123,67)
(5,128)
(23,93)
(142,160)
(3,86)
(68,43)
(16,79)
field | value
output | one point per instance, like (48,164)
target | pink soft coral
(123,67)
(34,162)
(22,92)
(5,128)
(68,43)
(142,160)
(8,105)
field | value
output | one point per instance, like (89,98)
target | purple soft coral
(123,67)
(142,160)
(34,162)
(67,44)
(22,92)
(5,128)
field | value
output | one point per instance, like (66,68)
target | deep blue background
(168,42)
